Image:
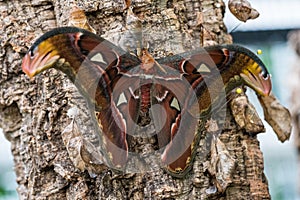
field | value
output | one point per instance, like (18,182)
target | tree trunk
(34,113)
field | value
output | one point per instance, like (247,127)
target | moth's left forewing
(101,71)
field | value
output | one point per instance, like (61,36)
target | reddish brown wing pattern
(104,73)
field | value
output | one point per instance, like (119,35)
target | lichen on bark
(34,113)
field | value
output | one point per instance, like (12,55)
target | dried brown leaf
(79,19)
(245,115)
(242,10)
(277,116)
(83,154)
(222,164)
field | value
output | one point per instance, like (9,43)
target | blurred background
(269,33)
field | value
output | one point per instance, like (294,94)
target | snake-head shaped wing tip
(39,58)
(253,71)
(257,77)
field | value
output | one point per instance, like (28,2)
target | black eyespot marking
(32,52)
(265,74)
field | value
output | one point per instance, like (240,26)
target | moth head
(257,77)
(40,57)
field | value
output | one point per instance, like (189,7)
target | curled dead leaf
(222,164)
(83,154)
(245,115)
(277,116)
(242,10)
(79,19)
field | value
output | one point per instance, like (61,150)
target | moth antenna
(160,67)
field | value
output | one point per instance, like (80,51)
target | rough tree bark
(34,113)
